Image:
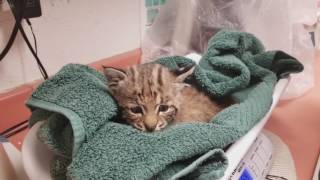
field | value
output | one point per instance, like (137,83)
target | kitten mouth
(150,129)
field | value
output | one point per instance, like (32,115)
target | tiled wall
(152,7)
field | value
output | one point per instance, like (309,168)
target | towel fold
(81,117)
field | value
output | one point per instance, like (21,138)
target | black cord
(42,70)
(34,37)
(7,131)
(16,131)
(35,44)
(10,42)
(18,19)
(13,35)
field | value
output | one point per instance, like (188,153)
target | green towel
(81,126)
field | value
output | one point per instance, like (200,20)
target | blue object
(3,139)
(246,175)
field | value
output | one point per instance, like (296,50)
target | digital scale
(257,162)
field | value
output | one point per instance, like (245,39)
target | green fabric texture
(80,117)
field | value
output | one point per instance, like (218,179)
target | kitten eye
(163,108)
(136,110)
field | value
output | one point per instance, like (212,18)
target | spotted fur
(151,96)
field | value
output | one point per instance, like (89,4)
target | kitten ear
(184,72)
(114,76)
(180,86)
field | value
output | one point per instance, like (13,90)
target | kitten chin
(152,97)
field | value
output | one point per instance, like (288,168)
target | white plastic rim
(236,152)
(36,156)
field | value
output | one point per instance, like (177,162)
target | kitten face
(147,94)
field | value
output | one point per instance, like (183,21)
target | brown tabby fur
(151,96)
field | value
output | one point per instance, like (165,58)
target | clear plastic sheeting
(280,24)
(185,26)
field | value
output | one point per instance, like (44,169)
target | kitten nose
(150,127)
(150,123)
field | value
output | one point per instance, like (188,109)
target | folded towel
(80,116)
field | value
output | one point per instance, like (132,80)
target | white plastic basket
(36,156)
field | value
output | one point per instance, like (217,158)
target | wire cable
(34,37)
(41,67)
(8,131)
(42,70)
(10,42)
(18,19)
(16,131)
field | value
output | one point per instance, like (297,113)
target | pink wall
(77,31)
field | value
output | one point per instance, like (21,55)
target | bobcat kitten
(151,96)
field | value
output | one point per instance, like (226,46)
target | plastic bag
(280,25)
(185,26)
